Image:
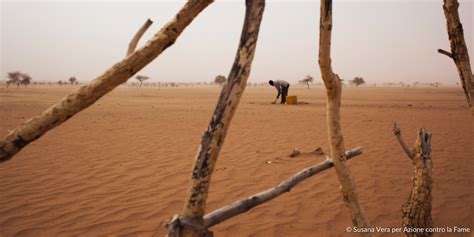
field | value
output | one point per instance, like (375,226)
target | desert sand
(120,168)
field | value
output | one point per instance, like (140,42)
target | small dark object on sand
(295,153)
(318,151)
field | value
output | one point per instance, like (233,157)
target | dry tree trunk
(86,95)
(333,91)
(190,222)
(248,203)
(459,52)
(133,44)
(416,212)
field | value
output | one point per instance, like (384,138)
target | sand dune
(120,168)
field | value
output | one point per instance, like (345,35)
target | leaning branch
(86,95)
(245,204)
(133,44)
(398,134)
(214,136)
(333,91)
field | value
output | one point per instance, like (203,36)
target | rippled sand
(120,168)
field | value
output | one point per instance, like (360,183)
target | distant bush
(307,80)
(357,81)
(220,80)
(18,78)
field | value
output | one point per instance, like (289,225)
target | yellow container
(291,100)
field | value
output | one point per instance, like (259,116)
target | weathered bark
(86,95)
(416,212)
(214,136)
(333,92)
(133,44)
(248,203)
(459,52)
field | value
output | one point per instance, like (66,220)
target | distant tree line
(19,78)
(23,79)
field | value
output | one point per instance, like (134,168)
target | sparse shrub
(220,80)
(141,78)
(73,81)
(307,80)
(18,78)
(357,81)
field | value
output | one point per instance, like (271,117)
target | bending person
(282,88)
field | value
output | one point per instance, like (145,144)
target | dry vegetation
(192,220)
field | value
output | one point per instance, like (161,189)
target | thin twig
(398,134)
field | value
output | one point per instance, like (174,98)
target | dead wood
(88,94)
(398,134)
(245,204)
(459,52)
(214,136)
(333,91)
(416,212)
(133,44)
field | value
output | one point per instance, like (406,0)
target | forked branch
(416,212)
(86,95)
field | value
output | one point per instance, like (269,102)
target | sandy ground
(120,168)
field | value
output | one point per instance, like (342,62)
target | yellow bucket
(291,100)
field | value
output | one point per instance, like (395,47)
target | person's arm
(279,91)
(278,95)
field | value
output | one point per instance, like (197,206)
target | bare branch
(86,95)
(441,51)
(333,86)
(214,136)
(398,134)
(459,52)
(245,204)
(133,44)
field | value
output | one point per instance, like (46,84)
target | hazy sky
(379,40)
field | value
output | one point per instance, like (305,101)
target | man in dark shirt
(282,88)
